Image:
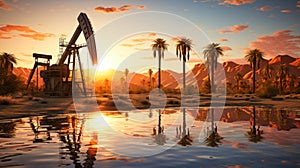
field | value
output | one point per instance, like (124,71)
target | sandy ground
(26,106)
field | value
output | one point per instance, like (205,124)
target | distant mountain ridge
(172,79)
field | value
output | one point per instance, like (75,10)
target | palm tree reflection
(185,135)
(160,137)
(213,138)
(254,135)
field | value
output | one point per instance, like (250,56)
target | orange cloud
(152,34)
(4,6)
(123,8)
(24,31)
(286,11)
(281,42)
(131,44)
(236,2)
(175,39)
(223,39)
(264,8)
(234,29)
(226,48)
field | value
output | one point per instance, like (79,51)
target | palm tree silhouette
(150,72)
(126,75)
(211,53)
(238,77)
(266,72)
(185,137)
(7,62)
(159,46)
(254,57)
(282,74)
(254,135)
(183,48)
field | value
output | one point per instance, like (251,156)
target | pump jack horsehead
(59,78)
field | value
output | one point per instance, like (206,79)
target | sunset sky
(239,25)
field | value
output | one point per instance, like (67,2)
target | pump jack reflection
(70,136)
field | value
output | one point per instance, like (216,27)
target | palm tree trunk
(159,64)
(280,85)
(212,78)
(212,119)
(254,121)
(183,69)
(183,123)
(253,80)
(159,121)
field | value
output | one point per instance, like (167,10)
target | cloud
(124,8)
(280,42)
(236,2)
(223,39)
(24,31)
(265,8)
(131,44)
(152,34)
(234,29)
(38,36)
(4,6)
(175,39)
(286,11)
(226,48)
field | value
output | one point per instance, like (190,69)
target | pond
(174,137)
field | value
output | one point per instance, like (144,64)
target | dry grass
(7,100)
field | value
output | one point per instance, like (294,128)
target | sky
(124,30)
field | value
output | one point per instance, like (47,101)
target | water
(131,139)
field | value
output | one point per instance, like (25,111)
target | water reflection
(213,138)
(159,136)
(185,135)
(254,135)
(7,129)
(79,144)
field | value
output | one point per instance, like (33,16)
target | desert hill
(195,76)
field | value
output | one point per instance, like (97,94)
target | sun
(104,65)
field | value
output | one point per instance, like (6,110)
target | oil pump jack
(58,78)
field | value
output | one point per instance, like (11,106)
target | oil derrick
(60,77)
(36,65)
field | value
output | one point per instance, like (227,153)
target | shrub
(11,84)
(267,91)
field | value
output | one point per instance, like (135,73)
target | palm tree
(281,74)
(211,54)
(7,62)
(143,83)
(266,72)
(291,82)
(126,75)
(254,57)
(183,48)
(153,81)
(238,77)
(150,72)
(159,46)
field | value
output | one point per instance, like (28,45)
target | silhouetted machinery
(59,78)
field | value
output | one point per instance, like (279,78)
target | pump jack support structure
(56,77)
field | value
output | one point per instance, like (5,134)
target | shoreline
(37,106)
